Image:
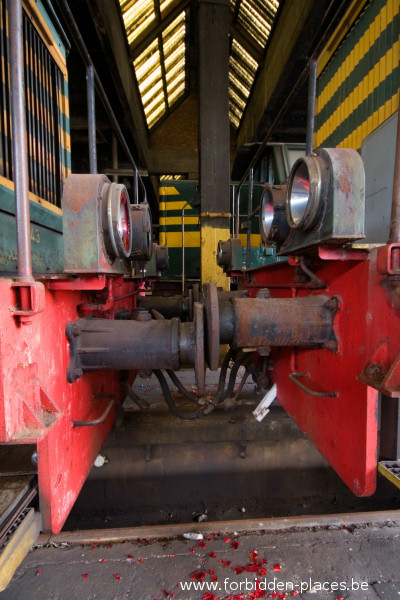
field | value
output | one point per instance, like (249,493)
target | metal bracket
(391,470)
(89,283)
(34,297)
(292,377)
(102,417)
(387,259)
(381,373)
(340,253)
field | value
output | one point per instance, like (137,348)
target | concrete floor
(358,551)
(315,557)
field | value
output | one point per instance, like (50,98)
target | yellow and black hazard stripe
(358,88)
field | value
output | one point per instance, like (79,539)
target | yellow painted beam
(178,221)
(388,473)
(168,190)
(18,546)
(211,234)
(173,239)
(349,18)
(255,239)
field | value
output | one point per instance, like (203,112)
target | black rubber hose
(220,395)
(170,402)
(241,358)
(205,410)
(178,384)
(241,384)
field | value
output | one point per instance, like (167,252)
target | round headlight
(299,194)
(304,200)
(274,228)
(266,215)
(142,232)
(117,222)
(123,224)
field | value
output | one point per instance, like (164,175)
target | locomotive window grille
(45,118)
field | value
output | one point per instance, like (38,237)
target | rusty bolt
(141,315)
(75,330)
(332,304)
(374,371)
(263,350)
(78,372)
(263,293)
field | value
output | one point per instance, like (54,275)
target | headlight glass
(299,193)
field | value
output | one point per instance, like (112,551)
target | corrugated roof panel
(237,99)
(242,70)
(154,115)
(251,20)
(241,73)
(174,47)
(154,75)
(238,86)
(145,60)
(239,52)
(176,72)
(152,92)
(233,118)
(174,26)
(174,93)
(164,4)
(161,86)
(137,15)
(257,18)
(155,102)
(235,109)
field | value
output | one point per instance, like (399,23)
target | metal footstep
(391,470)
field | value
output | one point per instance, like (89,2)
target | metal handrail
(80,44)
(19,144)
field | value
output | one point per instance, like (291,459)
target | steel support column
(214,134)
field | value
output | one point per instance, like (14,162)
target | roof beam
(111,33)
(152,32)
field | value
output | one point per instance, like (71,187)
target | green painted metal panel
(370,104)
(377,50)
(366,52)
(46,237)
(192,263)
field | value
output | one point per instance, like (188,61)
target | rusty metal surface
(266,322)
(98,344)
(199,365)
(168,306)
(142,235)
(84,246)
(331,187)
(210,296)
(344,428)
